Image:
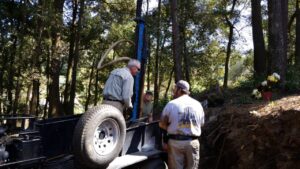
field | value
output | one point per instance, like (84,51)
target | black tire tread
(81,130)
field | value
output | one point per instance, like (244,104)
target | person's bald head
(134,66)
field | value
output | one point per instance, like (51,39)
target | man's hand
(150,118)
(127,113)
(129,110)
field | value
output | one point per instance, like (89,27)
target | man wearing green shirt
(147,106)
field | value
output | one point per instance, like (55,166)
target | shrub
(293,79)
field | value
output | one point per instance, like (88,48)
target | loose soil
(259,135)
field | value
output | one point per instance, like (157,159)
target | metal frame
(142,139)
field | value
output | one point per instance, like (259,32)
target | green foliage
(208,66)
(162,103)
(105,22)
(293,79)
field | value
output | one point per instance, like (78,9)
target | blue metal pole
(138,77)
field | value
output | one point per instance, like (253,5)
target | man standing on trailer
(118,88)
(147,109)
(182,118)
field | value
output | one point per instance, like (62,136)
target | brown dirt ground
(260,135)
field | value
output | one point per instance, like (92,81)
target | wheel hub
(106,136)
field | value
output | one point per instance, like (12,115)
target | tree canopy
(49,50)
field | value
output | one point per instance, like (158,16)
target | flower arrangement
(274,78)
(264,89)
(256,94)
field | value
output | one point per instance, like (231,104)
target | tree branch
(111,48)
(120,59)
(291,20)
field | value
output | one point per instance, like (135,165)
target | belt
(113,100)
(182,137)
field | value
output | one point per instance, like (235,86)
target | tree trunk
(1,90)
(157,58)
(34,103)
(71,56)
(148,50)
(149,64)
(96,88)
(185,8)
(3,66)
(176,41)
(169,84)
(17,92)
(76,59)
(228,53)
(54,96)
(36,72)
(284,19)
(278,37)
(11,74)
(297,46)
(186,60)
(161,76)
(260,59)
(28,95)
(90,86)
(19,54)
(229,44)
(54,99)
(48,82)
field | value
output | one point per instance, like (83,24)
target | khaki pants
(116,104)
(183,154)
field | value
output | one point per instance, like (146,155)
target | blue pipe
(138,80)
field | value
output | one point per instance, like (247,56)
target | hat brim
(186,91)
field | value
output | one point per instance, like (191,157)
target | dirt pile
(253,136)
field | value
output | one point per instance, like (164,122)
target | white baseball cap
(183,85)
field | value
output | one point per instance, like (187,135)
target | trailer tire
(154,164)
(99,136)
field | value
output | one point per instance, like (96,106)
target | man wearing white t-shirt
(182,118)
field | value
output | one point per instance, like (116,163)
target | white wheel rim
(106,136)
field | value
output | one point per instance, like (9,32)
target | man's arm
(164,119)
(127,92)
(163,124)
(150,115)
(202,120)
